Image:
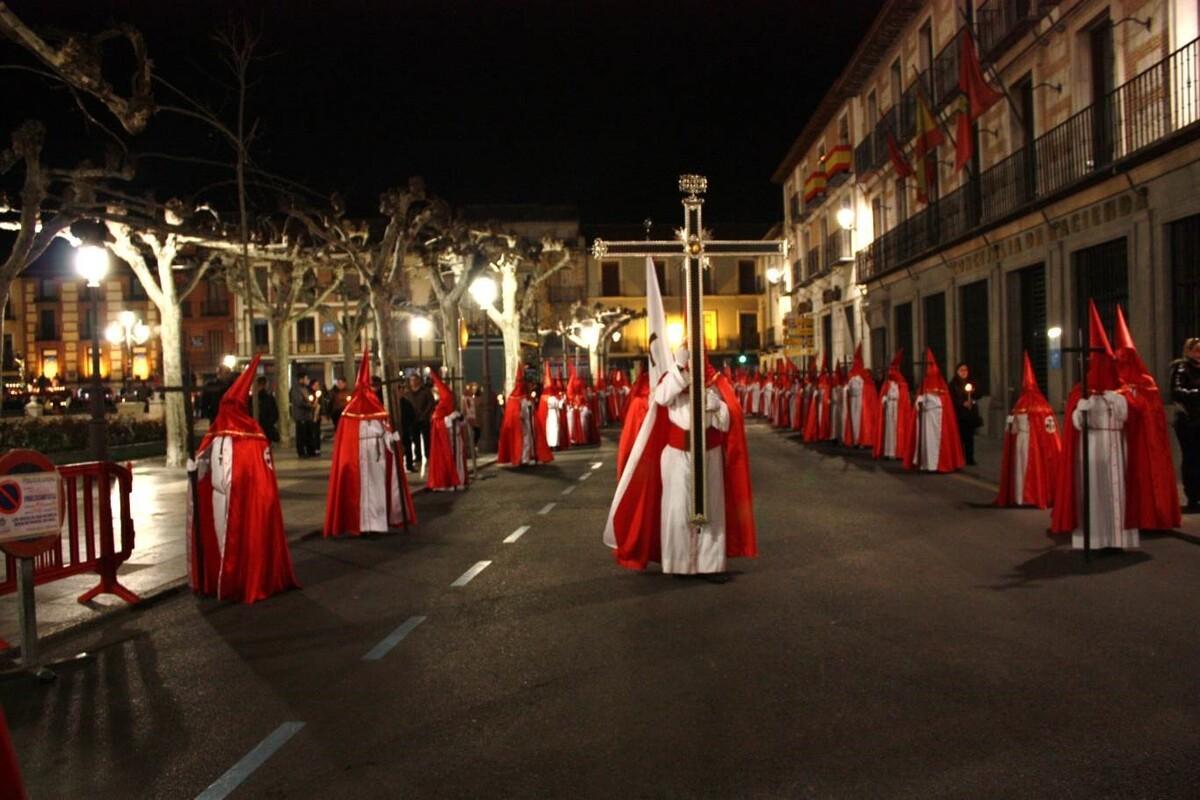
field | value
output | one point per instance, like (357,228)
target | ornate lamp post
(420,327)
(483,290)
(91,262)
(127,331)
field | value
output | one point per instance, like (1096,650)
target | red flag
(980,95)
(899,162)
(929,134)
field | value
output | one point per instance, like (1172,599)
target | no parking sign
(29,505)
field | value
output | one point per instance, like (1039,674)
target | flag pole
(1012,104)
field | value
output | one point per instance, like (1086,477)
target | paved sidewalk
(158,504)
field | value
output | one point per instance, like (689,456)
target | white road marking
(585,476)
(597,464)
(569,489)
(466,577)
(517,534)
(394,638)
(243,769)
(546,509)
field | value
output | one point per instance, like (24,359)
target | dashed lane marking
(597,464)
(466,577)
(394,638)
(585,476)
(569,489)
(546,509)
(243,769)
(517,534)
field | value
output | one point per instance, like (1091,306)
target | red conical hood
(932,382)
(233,414)
(547,377)
(1031,399)
(445,404)
(1102,368)
(857,365)
(364,403)
(518,389)
(1130,367)
(1028,377)
(896,359)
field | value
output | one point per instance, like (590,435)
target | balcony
(1133,121)
(1000,23)
(565,294)
(837,249)
(813,265)
(214,308)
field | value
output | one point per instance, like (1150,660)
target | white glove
(682,356)
(1084,404)
(712,400)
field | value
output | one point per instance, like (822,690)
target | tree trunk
(450,354)
(510,329)
(349,372)
(594,362)
(281,347)
(386,328)
(171,340)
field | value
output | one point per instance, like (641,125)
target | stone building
(1081,185)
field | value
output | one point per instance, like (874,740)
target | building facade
(1080,186)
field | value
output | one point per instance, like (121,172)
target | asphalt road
(894,639)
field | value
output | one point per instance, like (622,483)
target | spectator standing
(268,409)
(301,409)
(423,404)
(1185,393)
(339,398)
(962,394)
(319,403)
(408,426)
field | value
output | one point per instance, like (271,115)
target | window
(1183,248)
(897,82)
(933,310)
(848,311)
(47,325)
(50,363)
(306,331)
(827,337)
(660,269)
(706,280)
(747,280)
(610,278)
(88,328)
(262,336)
(844,129)
(47,290)
(1027,320)
(9,359)
(748,330)
(879,351)
(216,301)
(1101,73)
(185,309)
(1101,274)
(925,46)
(904,338)
(216,346)
(9,314)
(872,109)
(975,335)
(901,200)
(136,290)
(877,221)
(794,206)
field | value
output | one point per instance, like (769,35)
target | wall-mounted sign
(29,505)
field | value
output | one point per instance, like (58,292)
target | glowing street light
(845,218)
(127,331)
(229,361)
(91,262)
(774,273)
(483,290)
(616,336)
(674,334)
(420,327)
(1054,333)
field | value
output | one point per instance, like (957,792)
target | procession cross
(695,246)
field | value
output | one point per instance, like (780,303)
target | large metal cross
(695,246)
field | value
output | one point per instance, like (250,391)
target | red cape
(816,422)
(343,513)
(636,514)
(254,562)
(11,787)
(1152,494)
(868,424)
(635,413)
(950,450)
(905,427)
(445,452)
(1102,377)
(1045,448)
(512,432)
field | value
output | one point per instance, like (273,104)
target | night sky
(594,104)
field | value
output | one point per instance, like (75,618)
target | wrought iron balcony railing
(1161,102)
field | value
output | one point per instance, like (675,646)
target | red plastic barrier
(88,544)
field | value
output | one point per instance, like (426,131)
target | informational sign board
(799,331)
(30,505)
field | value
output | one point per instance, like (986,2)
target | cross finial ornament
(695,248)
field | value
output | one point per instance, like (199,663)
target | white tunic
(854,393)
(891,410)
(1106,416)
(837,412)
(929,432)
(527,444)
(372,479)
(755,399)
(687,551)
(1018,426)
(552,432)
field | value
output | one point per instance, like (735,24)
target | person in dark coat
(421,397)
(301,408)
(966,412)
(408,427)
(268,409)
(1185,393)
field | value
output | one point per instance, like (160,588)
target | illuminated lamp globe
(845,218)
(616,337)
(91,262)
(114,333)
(1054,333)
(774,274)
(141,333)
(229,361)
(419,327)
(483,290)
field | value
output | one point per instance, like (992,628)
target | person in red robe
(1032,450)
(237,548)
(619,385)
(1101,378)
(635,412)
(937,446)
(894,437)
(551,425)
(600,395)
(368,486)
(11,787)
(1152,494)
(647,519)
(578,410)
(519,442)
(861,426)
(447,469)
(816,424)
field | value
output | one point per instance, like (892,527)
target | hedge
(69,433)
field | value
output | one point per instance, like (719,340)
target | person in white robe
(553,404)
(687,550)
(1106,416)
(891,419)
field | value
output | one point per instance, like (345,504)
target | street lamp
(774,273)
(229,361)
(127,331)
(845,218)
(91,262)
(419,327)
(616,336)
(483,290)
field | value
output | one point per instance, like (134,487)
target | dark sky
(597,104)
